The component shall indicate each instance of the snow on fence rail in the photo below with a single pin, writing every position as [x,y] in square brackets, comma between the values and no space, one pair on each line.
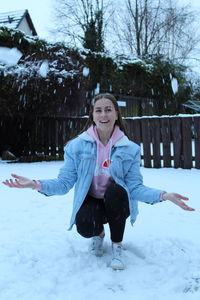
[168,141]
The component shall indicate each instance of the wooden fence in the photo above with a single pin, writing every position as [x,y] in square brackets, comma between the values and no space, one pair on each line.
[165,141]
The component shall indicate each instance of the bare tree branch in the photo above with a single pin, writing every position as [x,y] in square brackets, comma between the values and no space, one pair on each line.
[158,27]
[83,22]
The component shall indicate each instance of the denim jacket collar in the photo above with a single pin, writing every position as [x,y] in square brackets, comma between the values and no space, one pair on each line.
[124,141]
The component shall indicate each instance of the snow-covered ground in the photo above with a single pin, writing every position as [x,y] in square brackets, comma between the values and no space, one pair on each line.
[40,259]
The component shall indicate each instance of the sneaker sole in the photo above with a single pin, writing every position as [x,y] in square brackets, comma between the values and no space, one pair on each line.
[115,268]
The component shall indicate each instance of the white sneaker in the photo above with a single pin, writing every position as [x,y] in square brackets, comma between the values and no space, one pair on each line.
[117,262]
[97,245]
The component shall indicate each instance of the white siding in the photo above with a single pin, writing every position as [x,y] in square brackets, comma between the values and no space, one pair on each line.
[23,26]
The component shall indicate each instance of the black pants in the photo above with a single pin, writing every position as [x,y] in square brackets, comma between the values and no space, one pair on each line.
[113,209]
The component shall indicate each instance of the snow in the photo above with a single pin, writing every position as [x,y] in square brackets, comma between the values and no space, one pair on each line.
[41,260]
[174,84]
[86,71]
[165,116]
[9,56]
[44,68]
[97,89]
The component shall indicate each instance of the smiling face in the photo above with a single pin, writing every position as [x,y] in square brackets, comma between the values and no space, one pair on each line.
[104,115]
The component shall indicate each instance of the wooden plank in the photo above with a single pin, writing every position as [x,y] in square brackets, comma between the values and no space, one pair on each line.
[47,137]
[64,137]
[129,124]
[136,128]
[155,139]
[39,134]
[28,139]
[74,128]
[69,126]
[59,137]
[4,137]
[166,141]
[24,132]
[177,141]
[146,140]
[33,141]
[57,132]
[43,135]
[52,137]
[187,142]
[197,141]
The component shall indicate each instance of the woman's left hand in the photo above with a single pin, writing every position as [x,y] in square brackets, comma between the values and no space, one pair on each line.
[178,200]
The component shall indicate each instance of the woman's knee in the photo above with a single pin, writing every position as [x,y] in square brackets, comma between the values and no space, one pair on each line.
[84,230]
[88,227]
[115,193]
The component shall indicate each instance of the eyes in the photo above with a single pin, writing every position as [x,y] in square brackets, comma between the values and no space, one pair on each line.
[106,110]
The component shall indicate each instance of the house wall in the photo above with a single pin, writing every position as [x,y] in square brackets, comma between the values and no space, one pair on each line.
[23,26]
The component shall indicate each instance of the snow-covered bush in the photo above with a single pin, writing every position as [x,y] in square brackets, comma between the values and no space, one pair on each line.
[55,79]
[48,78]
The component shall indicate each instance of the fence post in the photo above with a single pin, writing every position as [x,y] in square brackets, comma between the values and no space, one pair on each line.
[187,142]
[155,134]
[146,140]
[134,130]
[177,141]
[197,141]
[166,141]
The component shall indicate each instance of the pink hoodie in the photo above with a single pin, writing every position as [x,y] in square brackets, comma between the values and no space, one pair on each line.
[102,177]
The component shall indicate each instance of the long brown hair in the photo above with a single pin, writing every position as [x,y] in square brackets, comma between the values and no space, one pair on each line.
[120,122]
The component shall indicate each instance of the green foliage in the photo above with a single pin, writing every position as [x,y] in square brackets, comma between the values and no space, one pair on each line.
[160,83]
[103,70]
[93,37]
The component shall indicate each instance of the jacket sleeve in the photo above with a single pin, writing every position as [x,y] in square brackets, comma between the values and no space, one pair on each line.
[134,182]
[66,179]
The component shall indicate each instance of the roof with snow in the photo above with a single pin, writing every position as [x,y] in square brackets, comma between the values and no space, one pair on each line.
[20,20]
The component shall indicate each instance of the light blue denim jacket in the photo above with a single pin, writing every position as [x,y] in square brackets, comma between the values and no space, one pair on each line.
[78,169]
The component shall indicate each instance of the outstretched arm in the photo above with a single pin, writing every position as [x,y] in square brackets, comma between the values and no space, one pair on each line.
[178,200]
[140,192]
[20,182]
[58,186]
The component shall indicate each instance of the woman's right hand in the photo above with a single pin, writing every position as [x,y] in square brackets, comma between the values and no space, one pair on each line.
[20,182]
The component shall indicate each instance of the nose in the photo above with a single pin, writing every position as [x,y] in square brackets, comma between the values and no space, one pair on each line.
[103,113]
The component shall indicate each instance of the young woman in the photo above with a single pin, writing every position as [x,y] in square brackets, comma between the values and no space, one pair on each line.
[104,166]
